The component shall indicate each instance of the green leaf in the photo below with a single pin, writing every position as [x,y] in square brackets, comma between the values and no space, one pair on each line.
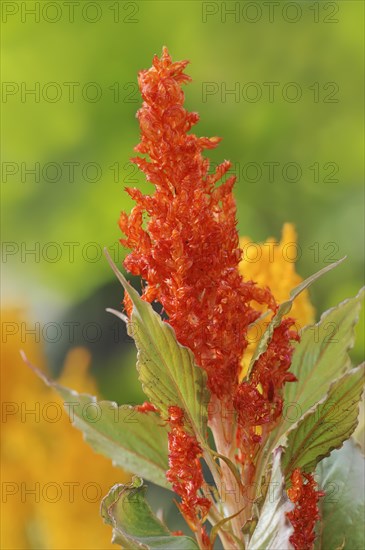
[341,476]
[273,528]
[284,309]
[319,358]
[327,426]
[134,524]
[137,442]
[166,369]
[359,433]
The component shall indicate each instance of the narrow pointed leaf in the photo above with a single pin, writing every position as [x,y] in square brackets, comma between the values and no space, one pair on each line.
[134,441]
[273,529]
[233,468]
[284,309]
[135,526]
[342,478]
[218,526]
[327,426]
[166,369]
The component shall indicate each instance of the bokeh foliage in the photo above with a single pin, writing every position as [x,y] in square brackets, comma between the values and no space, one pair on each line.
[263,131]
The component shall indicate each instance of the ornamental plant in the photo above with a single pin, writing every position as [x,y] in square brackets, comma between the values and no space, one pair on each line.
[252,437]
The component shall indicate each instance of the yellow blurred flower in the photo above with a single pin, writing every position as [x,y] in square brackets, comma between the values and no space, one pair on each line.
[52,481]
[272,264]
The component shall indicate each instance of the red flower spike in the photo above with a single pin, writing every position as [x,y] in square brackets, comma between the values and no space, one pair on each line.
[259,401]
[303,492]
[185,472]
[188,252]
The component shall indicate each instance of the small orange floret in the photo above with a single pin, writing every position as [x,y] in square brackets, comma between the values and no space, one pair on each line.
[146,407]
[296,489]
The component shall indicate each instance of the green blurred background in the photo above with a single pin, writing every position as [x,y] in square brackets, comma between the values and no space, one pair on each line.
[312,116]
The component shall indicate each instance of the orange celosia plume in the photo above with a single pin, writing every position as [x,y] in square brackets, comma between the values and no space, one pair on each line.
[189,252]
